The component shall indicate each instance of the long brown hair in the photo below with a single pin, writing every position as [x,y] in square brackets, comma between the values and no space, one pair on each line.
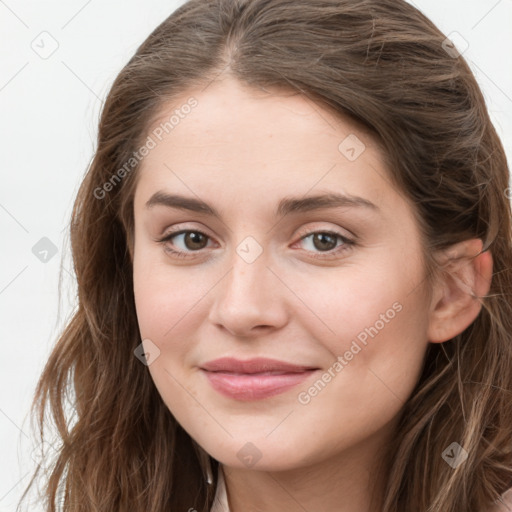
[384,64]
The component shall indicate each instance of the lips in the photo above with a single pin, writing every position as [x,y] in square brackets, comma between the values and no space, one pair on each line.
[254,379]
[256,365]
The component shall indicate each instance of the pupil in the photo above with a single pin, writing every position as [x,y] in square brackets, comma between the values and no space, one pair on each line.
[195,238]
[322,237]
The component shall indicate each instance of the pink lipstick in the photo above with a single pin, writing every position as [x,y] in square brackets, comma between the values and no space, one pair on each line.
[254,379]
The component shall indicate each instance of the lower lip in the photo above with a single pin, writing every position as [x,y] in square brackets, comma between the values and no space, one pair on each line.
[254,386]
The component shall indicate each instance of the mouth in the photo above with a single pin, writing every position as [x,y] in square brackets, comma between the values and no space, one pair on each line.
[255,365]
[255,386]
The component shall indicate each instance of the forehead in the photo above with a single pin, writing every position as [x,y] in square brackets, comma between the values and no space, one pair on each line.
[227,109]
[247,140]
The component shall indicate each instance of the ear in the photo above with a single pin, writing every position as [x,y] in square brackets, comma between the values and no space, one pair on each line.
[465,278]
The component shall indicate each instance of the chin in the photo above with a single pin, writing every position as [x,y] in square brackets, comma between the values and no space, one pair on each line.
[259,455]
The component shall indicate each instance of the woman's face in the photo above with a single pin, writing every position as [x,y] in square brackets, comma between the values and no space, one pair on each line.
[334,285]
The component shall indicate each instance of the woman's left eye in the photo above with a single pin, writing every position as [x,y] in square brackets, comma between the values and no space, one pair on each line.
[330,238]
[194,241]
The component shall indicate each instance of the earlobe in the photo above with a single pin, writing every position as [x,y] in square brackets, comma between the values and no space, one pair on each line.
[465,279]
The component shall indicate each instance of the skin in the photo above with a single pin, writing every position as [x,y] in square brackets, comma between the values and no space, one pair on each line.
[242,150]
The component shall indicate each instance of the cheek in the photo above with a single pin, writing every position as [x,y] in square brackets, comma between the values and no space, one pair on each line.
[373,322]
[167,307]
[164,296]
[376,353]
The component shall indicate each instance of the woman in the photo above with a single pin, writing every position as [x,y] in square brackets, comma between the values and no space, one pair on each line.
[262,369]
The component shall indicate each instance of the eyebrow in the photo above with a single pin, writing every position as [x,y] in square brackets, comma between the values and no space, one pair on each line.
[286,205]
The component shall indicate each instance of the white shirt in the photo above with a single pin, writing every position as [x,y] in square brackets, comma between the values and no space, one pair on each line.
[220,502]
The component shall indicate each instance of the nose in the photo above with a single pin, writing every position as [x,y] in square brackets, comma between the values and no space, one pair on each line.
[250,299]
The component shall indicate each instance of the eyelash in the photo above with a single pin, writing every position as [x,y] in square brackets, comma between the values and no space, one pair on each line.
[347,244]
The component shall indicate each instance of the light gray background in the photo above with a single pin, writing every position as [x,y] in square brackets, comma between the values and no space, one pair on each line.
[49,112]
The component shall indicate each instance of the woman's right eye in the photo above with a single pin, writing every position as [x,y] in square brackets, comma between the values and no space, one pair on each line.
[191,238]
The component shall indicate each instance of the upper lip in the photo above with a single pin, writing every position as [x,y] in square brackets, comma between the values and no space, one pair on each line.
[256,365]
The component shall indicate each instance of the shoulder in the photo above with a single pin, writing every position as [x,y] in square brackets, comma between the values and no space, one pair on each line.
[504,503]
